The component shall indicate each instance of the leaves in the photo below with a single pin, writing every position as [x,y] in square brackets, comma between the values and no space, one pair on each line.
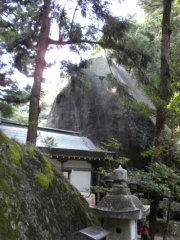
[78,80]
[143,109]
[49,142]
[159,177]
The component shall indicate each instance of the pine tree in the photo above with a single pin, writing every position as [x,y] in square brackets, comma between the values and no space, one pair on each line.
[25,34]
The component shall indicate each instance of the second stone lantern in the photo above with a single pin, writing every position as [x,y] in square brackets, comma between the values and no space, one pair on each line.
[120,210]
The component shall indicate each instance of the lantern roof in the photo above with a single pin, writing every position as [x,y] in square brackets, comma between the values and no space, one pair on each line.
[121,204]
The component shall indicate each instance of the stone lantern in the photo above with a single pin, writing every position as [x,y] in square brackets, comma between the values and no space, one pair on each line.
[133,185]
[109,181]
[120,210]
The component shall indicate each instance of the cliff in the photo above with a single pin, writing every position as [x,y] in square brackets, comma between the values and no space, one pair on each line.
[102,112]
[36,201]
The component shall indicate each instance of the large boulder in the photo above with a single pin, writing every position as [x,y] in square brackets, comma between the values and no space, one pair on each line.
[36,200]
[102,112]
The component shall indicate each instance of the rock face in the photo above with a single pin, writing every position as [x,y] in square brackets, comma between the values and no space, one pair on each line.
[98,115]
[36,201]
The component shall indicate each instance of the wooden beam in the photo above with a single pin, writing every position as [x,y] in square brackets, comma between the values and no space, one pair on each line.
[95,171]
[65,158]
[66,170]
[75,169]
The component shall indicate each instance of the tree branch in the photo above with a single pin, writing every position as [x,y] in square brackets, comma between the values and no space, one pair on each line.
[61,42]
[104,45]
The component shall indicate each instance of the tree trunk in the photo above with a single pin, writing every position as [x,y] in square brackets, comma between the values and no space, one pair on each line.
[173,160]
[163,95]
[169,212]
[154,196]
[38,74]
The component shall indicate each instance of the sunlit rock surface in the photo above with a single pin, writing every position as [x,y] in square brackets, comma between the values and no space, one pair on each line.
[36,201]
[98,115]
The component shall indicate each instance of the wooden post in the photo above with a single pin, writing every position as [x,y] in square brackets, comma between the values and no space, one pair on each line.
[69,175]
[165,207]
[98,193]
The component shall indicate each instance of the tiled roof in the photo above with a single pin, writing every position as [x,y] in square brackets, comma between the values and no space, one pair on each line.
[65,140]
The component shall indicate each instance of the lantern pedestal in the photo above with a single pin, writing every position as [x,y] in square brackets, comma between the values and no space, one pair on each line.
[121,209]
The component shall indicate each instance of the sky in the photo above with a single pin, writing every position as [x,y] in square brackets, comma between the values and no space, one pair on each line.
[52,75]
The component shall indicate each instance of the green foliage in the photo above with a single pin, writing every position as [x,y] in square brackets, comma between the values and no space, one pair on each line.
[78,80]
[21,24]
[21,37]
[99,189]
[20,29]
[166,144]
[49,142]
[113,164]
[174,63]
[111,143]
[130,44]
[143,109]
[153,20]
[11,95]
[158,177]
[6,110]
[21,112]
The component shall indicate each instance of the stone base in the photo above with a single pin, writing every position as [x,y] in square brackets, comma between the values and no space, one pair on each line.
[121,229]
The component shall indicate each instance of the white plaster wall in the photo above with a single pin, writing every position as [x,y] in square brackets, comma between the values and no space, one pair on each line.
[81,180]
[65,174]
[133,229]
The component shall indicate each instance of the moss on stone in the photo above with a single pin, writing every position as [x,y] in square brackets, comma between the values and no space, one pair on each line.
[2,157]
[17,174]
[7,173]
[67,186]
[50,177]
[60,211]
[4,185]
[30,150]
[44,180]
[8,228]
[23,206]
[4,179]
[20,172]
[13,149]
[47,164]
[14,154]
[4,138]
